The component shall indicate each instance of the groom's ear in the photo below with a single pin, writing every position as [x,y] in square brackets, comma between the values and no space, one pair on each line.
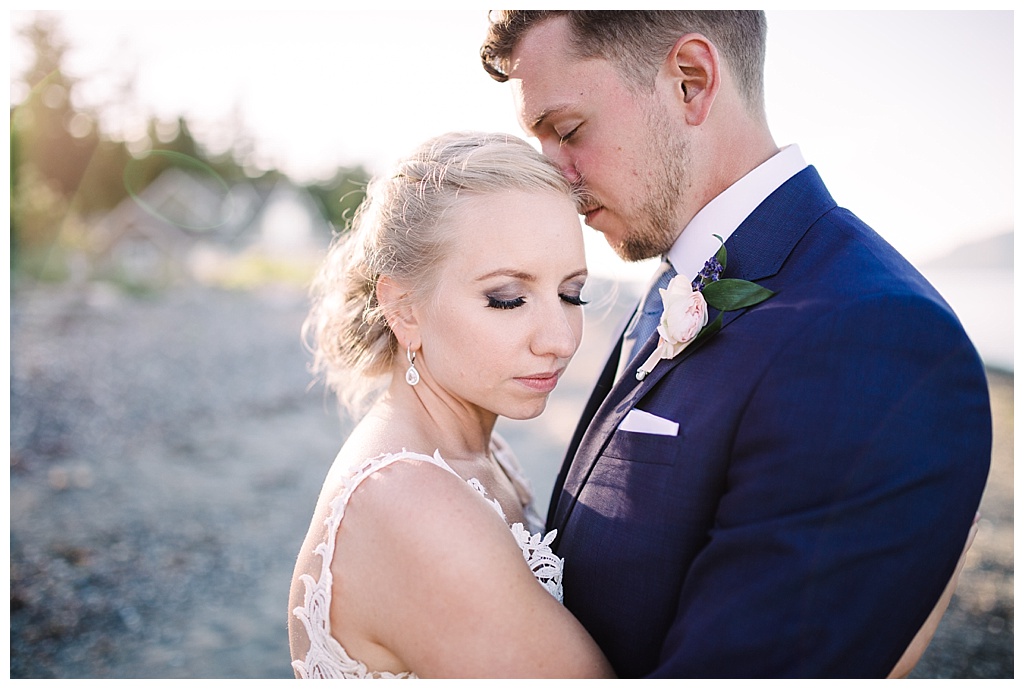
[395,302]
[694,71]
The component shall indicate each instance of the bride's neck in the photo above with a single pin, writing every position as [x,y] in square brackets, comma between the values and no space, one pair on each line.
[424,421]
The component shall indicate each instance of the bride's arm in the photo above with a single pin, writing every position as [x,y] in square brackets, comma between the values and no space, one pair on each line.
[449,593]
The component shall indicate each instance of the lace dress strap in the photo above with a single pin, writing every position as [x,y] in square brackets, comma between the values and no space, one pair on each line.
[327,658]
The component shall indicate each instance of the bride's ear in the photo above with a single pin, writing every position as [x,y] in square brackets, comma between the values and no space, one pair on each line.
[396,304]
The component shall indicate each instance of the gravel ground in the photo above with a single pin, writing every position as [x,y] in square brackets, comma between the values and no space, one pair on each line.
[166,452]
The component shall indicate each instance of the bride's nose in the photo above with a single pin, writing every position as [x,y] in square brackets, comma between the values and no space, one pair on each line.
[555,333]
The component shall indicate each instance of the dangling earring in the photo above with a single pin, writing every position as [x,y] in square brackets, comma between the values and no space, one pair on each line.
[412,376]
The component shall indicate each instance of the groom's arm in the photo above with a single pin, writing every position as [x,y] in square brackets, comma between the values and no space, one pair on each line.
[855,475]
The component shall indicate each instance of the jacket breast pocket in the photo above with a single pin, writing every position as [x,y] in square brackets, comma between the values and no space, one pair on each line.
[643,447]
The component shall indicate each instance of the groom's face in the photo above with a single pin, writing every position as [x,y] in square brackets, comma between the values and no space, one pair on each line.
[618,146]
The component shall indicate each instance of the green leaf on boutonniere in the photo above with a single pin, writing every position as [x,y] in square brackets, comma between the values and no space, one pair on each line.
[710,290]
[729,294]
[720,255]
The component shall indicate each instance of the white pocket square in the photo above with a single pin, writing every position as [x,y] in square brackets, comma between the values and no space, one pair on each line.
[639,421]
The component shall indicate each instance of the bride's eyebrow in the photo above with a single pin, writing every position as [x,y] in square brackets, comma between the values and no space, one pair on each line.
[508,272]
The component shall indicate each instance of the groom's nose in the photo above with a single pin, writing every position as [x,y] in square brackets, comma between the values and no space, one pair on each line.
[554,150]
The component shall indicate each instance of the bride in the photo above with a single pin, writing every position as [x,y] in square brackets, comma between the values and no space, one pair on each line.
[461,280]
[457,293]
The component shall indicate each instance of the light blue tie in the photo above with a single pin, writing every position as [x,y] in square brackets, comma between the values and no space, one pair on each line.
[649,315]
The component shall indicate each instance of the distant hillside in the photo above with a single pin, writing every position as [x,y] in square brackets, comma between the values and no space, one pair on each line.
[991,253]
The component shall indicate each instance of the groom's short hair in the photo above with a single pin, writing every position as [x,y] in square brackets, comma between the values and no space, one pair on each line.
[637,41]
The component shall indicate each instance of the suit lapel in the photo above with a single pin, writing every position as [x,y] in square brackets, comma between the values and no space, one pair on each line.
[624,394]
[756,251]
[601,389]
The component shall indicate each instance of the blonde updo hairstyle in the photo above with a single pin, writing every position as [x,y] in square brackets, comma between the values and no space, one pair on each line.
[402,230]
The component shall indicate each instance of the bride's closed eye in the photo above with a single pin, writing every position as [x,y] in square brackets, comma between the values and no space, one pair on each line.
[571,291]
[573,299]
[494,302]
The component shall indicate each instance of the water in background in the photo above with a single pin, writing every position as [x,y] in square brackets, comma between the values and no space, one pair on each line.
[984,303]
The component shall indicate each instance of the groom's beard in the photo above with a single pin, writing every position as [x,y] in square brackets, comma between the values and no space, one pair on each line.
[655,231]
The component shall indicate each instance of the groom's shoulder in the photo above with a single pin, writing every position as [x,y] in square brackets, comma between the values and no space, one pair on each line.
[844,254]
[844,273]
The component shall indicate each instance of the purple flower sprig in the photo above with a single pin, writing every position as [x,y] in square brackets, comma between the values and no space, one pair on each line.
[724,294]
[711,272]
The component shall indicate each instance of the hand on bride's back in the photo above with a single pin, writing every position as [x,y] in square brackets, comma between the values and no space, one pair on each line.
[912,656]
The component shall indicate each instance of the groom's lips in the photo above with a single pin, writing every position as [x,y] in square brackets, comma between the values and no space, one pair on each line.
[541,382]
[589,213]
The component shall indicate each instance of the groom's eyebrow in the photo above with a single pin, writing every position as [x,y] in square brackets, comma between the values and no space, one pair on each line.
[544,115]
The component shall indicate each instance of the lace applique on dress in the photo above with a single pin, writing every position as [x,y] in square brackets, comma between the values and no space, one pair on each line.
[326,658]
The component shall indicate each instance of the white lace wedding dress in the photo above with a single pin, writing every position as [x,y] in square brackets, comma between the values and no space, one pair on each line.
[326,658]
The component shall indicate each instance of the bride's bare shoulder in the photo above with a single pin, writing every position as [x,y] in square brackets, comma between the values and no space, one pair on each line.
[410,492]
[401,492]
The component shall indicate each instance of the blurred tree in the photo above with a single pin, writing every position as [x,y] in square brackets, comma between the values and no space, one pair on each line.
[13,180]
[66,172]
[51,143]
[341,195]
[55,138]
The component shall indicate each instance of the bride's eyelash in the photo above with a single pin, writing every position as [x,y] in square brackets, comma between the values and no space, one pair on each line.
[495,303]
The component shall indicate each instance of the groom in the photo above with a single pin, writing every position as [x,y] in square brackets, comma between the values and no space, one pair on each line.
[788,494]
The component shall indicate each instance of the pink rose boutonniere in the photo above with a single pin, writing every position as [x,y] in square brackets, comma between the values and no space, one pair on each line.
[684,316]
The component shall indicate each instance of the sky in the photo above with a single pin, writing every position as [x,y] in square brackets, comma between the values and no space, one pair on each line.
[907,115]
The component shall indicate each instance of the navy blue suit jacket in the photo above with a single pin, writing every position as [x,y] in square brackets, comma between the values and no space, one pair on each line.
[832,449]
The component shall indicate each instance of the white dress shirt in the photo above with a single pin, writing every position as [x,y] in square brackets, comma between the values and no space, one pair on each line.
[723,214]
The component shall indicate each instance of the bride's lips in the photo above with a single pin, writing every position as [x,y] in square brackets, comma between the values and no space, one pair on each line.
[541,382]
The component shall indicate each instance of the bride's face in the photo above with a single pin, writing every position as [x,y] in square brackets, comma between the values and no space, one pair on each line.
[506,316]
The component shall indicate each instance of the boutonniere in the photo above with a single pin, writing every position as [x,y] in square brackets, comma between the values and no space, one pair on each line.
[684,315]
